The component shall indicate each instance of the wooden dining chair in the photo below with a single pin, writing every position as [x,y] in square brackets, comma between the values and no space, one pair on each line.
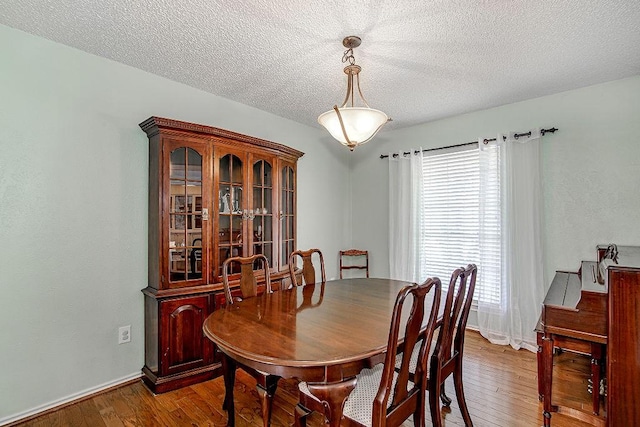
[382,396]
[266,384]
[308,271]
[361,257]
[446,358]
[449,349]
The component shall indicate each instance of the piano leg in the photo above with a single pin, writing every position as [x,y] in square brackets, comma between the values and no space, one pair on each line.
[547,363]
[596,369]
[539,359]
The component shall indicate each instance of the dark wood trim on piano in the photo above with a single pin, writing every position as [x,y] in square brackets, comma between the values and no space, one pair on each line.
[623,354]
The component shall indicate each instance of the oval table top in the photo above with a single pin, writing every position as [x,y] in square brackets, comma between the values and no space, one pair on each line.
[294,332]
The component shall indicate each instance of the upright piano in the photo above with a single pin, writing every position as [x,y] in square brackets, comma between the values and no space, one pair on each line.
[596,311]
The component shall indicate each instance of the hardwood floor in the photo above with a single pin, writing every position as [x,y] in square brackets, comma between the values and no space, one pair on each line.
[500,387]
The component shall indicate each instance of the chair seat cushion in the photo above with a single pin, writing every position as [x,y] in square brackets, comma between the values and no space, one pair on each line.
[359,404]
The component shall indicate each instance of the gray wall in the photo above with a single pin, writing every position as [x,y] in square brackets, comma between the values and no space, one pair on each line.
[73,205]
[591,170]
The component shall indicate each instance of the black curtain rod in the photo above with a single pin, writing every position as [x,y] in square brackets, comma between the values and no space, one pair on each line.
[486,141]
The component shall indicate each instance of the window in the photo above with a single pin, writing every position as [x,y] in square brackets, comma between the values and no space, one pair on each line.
[450,221]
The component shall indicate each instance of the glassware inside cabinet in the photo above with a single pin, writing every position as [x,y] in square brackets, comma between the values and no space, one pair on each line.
[262,209]
[230,205]
[286,214]
[185,215]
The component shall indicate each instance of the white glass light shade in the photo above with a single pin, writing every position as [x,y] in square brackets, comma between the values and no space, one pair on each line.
[360,123]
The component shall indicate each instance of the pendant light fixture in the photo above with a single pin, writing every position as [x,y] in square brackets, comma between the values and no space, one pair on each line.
[350,124]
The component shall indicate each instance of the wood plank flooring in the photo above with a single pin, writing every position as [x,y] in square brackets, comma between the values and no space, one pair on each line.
[500,386]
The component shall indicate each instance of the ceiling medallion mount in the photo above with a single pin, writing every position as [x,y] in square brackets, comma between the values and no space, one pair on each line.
[351,41]
[349,124]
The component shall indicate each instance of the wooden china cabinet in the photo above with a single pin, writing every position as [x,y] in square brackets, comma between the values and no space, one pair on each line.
[213,194]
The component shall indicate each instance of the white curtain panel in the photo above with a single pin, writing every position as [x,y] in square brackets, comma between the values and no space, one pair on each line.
[516,206]
[405,193]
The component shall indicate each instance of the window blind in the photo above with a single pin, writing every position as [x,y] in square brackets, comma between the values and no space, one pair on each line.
[450,220]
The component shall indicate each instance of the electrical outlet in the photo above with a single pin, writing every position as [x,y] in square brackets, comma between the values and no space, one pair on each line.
[124,334]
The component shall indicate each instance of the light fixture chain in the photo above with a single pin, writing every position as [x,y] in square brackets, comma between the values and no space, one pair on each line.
[348,56]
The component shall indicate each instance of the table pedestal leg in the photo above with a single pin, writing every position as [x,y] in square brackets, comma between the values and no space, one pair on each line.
[266,386]
[229,372]
[333,397]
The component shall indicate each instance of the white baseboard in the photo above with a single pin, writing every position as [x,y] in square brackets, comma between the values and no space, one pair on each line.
[76,396]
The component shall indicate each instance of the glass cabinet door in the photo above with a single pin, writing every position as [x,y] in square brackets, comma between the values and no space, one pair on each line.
[185,234]
[262,210]
[287,214]
[230,209]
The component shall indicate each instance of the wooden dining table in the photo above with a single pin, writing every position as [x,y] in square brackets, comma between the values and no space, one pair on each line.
[324,334]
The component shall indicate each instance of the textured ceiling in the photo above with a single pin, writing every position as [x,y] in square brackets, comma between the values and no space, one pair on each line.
[421,60]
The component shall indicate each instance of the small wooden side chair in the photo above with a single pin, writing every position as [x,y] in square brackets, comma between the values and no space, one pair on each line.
[266,383]
[308,272]
[355,253]
[383,397]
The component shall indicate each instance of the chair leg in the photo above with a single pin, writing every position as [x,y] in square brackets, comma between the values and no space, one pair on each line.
[434,403]
[266,387]
[419,414]
[462,403]
[446,400]
[300,416]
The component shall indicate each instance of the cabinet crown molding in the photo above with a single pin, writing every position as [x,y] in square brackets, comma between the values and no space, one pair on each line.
[154,124]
